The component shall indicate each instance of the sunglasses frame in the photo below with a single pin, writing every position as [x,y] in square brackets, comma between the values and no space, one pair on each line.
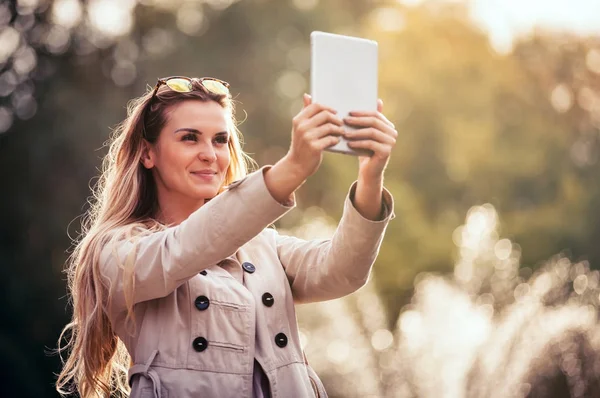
[164,81]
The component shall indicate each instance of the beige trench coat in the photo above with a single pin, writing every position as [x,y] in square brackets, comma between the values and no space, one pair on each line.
[218,290]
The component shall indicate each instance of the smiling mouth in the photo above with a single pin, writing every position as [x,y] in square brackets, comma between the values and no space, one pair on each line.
[204,175]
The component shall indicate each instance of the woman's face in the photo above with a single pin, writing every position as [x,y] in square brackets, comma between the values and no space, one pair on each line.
[189,161]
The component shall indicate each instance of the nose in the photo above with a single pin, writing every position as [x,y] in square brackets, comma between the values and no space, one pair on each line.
[207,154]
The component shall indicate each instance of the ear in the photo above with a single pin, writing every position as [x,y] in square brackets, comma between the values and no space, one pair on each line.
[147,158]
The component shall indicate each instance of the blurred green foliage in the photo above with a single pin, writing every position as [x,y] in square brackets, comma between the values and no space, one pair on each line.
[517,130]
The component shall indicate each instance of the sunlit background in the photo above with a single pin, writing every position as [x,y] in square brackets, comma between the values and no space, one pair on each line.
[487,284]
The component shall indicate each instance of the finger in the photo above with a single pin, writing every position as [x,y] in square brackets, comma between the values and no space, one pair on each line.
[379,105]
[326,142]
[370,133]
[320,119]
[371,121]
[376,114]
[307,99]
[311,110]
[324,130]
[377,148]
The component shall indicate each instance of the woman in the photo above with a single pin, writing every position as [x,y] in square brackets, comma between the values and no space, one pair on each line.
[179,287]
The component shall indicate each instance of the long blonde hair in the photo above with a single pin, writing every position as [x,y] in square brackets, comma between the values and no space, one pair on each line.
[124,203]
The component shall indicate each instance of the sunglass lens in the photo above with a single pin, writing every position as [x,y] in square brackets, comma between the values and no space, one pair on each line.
[180,85]
[215,86]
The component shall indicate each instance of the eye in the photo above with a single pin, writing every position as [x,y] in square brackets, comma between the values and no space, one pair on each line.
[189,137]
[222,139]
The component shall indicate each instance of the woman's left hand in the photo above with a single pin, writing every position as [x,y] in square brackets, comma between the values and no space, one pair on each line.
[376,134]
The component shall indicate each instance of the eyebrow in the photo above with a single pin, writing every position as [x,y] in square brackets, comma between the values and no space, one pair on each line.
[196,131]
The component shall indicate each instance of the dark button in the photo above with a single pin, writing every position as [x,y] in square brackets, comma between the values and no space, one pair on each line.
[249,267]
[200,344]
[268,299]
[202,302]
[203,272]
[281,340]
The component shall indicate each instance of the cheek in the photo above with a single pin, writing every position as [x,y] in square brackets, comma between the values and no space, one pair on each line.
[172,158]
[224,159]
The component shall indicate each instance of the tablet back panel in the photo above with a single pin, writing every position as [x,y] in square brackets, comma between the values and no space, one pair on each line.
[343,74]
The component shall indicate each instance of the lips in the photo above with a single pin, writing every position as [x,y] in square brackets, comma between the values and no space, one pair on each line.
[204,172]
[204,176]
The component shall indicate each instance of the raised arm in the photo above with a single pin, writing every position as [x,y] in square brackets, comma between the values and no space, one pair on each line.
[327,269]
[321,270]
[161,261]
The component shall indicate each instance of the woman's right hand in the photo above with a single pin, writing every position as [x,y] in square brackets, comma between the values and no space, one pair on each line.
[314,128]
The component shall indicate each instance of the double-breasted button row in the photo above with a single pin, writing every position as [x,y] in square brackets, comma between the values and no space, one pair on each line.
[200,343]
[202,303]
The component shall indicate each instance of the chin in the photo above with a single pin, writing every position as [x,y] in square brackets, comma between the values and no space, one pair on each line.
[204,190]
[206,193]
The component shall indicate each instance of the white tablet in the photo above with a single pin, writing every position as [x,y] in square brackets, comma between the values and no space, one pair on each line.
[343,75]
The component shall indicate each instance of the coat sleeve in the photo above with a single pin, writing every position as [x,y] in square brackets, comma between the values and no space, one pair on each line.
[159,262]
[321,270]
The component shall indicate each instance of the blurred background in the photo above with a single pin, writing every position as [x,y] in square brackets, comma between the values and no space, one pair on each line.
[487,281]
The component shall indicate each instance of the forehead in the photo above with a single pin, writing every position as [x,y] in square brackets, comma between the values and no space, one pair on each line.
[197,114]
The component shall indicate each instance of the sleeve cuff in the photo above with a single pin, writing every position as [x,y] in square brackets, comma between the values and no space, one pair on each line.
[387,205]
[258,178]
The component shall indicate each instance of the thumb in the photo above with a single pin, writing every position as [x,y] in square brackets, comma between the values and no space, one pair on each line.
[307,99]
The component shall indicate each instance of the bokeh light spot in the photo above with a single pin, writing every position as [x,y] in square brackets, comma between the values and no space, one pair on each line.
[191,20]
[291,84]
[588,99]
[592,60]
[561,98]
[123,73]
[382,339]
[580,284]
[410,323]
[57,40]
[27,6]
[521,291]
[338,351]
[542,284]
[25,60]
[111,17]
[503,249]
[8,83]
[305,5]
[5,14]
[388,19]
[66,13]
[158,42]
[10,38]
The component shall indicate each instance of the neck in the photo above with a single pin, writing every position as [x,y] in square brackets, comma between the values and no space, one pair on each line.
[173,211]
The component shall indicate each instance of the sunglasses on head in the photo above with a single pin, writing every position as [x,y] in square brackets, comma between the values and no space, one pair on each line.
[183,84]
